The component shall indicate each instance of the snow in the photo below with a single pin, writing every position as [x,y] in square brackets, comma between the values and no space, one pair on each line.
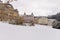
[37,32]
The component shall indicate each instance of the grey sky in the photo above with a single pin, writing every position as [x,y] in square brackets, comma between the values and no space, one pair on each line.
[38,7]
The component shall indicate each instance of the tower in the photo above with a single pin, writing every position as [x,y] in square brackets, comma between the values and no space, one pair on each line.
[0,1]
[32,14]
[24,13]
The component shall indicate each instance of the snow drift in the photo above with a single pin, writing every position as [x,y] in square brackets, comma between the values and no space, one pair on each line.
[37,32]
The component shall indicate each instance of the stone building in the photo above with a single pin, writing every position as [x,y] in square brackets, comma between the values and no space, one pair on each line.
[8,13]
[50,21]
[28,19]
[36,19]
[43,20]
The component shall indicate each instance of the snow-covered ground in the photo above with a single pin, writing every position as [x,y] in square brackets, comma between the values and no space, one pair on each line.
[37,32]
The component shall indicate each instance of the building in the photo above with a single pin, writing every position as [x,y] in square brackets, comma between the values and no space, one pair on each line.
[50,21]
[36,19]
[28,18]
[43,20]
[8,13]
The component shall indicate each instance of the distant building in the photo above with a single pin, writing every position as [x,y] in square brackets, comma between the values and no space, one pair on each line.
[43,20]
[36,18]
[28,18]
[8,13]
[0,1]
[50,21]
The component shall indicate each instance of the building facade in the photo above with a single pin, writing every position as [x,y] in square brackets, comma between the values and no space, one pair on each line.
[43,20]
[28,18]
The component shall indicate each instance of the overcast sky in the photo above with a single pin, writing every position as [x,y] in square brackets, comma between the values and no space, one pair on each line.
[38,7]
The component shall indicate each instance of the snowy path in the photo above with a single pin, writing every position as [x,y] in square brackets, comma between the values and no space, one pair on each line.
[38,32]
